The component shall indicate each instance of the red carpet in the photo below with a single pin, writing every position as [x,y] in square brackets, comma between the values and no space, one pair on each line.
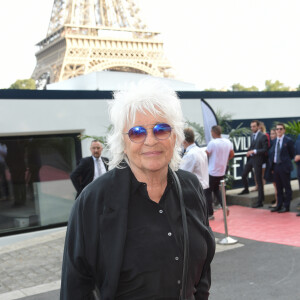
[259,225]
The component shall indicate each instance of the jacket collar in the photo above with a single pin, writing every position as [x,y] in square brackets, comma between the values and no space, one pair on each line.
[119,189]
[113,226]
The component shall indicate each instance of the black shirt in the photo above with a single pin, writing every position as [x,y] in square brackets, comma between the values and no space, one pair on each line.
[153,254]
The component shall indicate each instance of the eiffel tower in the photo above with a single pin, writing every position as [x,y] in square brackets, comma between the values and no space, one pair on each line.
[93,35]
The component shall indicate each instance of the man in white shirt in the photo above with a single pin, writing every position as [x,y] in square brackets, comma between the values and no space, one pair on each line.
[89,168]
[195,161]
[219,151]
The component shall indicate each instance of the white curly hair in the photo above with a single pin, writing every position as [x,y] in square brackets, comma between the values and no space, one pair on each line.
[147,96]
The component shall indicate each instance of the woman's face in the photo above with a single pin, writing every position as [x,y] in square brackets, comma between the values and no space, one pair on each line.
[152,155]
[273,134]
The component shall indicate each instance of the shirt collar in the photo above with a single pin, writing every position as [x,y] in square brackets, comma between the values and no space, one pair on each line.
[190,147]
[136,185]
[256,133]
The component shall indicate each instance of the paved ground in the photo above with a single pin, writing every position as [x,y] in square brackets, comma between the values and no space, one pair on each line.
[30,265]
[257,271]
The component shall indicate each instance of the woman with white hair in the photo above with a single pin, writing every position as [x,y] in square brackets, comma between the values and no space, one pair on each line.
[141,230]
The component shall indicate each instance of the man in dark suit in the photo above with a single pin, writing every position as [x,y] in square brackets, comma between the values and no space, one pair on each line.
[281,155]
[297,161]
[89,168]
[255,159]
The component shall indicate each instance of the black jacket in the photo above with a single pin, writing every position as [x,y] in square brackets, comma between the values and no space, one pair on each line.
[96,236]
[261,145]
[287,154]
[84,173]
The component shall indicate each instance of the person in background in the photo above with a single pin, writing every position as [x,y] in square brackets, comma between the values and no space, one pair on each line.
[4,190]
[281,155]
[195,161]
[15,161]
[262,128]
[273,136]
[89,168]
[297,161]
[269,172]
[255,158]
[33,164]
[219,151]
[130,232]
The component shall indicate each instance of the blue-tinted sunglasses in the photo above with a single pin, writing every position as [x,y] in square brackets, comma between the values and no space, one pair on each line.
[138,134]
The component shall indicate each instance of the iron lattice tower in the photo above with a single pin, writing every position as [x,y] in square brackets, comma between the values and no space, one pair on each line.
[94,35]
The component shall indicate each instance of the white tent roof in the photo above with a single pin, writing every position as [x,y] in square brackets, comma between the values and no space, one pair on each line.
[108,80]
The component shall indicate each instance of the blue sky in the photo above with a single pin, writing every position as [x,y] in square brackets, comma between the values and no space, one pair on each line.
[212,44]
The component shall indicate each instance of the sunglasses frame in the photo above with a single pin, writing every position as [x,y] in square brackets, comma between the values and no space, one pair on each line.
[128,133]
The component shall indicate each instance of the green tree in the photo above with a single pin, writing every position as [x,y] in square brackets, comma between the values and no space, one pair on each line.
[199,132]
[293,128]
[211,90]
[236,87]
[102,139]
[275,86]
[24,84]
[224,120]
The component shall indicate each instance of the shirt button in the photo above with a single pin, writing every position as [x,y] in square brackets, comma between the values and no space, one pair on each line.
[178,281]
[176,258]
[160,211]
[169,233]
